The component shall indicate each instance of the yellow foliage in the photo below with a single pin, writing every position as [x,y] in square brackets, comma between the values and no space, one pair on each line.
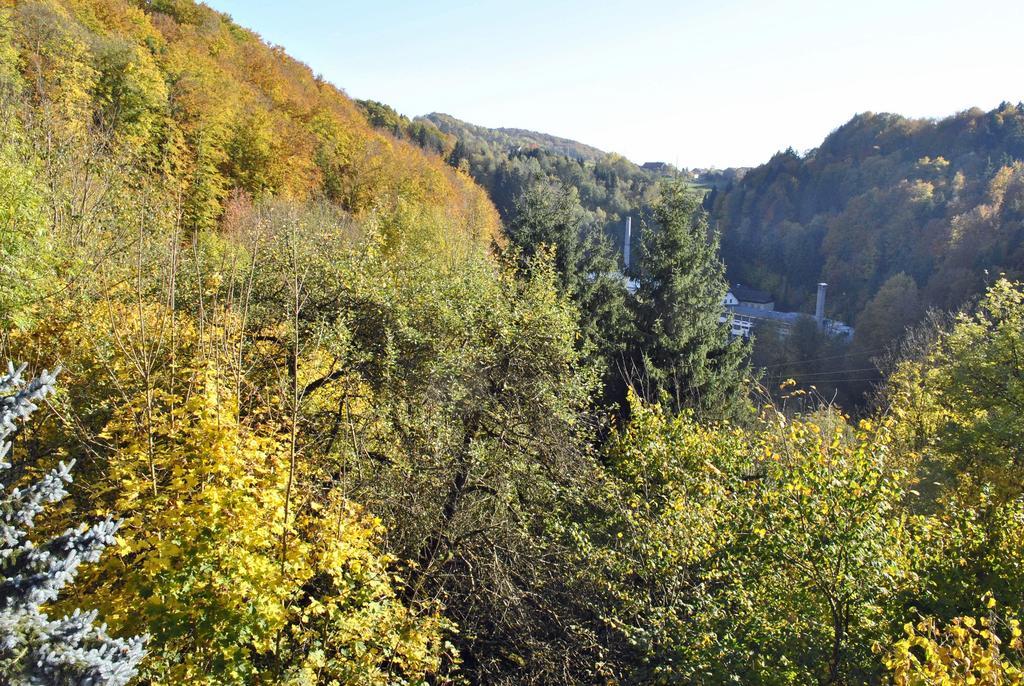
[206,562]
[178,89]
[964,651]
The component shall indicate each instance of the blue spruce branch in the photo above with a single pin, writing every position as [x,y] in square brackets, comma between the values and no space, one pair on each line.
[34,649]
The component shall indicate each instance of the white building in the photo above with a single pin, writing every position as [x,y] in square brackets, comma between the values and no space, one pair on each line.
[749,297]
[746,308]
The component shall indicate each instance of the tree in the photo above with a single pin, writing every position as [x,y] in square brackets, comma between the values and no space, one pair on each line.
[477,440]
[200,563]
[548,217]
[887,315]
[957,408]
[652,538]
[36,649]
[962,400]
[684,353]
[829,550]
[762,555]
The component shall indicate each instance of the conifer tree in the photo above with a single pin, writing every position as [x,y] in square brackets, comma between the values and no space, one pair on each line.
[683,350]
[551,217]
[34,649]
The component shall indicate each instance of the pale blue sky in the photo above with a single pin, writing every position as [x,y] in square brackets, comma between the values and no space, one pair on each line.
[726,82]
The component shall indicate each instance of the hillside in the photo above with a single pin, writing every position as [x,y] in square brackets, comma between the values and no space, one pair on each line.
[509,161]
[197,101]
[931,208]
[290,403]
[514,139]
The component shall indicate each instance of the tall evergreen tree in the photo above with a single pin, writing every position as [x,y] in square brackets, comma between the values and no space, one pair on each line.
[682,350]
[586,267]
[544,214]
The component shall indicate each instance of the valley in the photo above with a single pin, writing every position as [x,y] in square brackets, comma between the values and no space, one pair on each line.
[305,391]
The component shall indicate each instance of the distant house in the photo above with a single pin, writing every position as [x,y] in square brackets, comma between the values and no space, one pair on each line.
[750,297]
[746,308]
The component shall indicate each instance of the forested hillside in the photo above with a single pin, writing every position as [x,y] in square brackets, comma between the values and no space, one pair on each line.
[293,408]
[508,161]
[925,212]
[326,434]
[513,139]
[175,93]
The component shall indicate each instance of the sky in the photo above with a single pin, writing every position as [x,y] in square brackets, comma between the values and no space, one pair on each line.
[716,83]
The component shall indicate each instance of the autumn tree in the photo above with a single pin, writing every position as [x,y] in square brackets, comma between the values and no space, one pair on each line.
[964,396]
[765,555]
[957,405]
[201,493]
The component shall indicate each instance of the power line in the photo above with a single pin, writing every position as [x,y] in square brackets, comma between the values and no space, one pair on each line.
[821,381]
[818,359]
[833,372]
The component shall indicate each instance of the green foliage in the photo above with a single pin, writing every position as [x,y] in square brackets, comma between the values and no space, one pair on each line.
[236,577]
[130,93]
[23,250]
[551,218]
[509,139]
[684,354]
[478,404]
[971,542]
[767,555]
[653,549]
[309,364]
[507,162]
[420,131]
[957,407]
[965,395]
[829,551]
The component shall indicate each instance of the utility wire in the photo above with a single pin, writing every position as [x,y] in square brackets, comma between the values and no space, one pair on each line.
[833,372]
[818,359]
[821,381]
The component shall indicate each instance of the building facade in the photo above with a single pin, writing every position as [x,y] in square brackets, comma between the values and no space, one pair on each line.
[747,308]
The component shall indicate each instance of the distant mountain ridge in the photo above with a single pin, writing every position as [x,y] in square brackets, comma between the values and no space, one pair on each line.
[517,138]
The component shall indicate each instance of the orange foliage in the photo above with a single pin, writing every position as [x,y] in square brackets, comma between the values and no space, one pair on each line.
[241,114]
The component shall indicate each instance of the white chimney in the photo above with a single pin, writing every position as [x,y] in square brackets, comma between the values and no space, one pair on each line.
[819,306]
[625,243]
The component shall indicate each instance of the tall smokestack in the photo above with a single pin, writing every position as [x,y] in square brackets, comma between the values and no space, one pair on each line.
[625,242]
[819,306]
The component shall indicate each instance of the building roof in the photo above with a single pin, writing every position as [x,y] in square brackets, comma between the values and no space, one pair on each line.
[750,295]
[758,313]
